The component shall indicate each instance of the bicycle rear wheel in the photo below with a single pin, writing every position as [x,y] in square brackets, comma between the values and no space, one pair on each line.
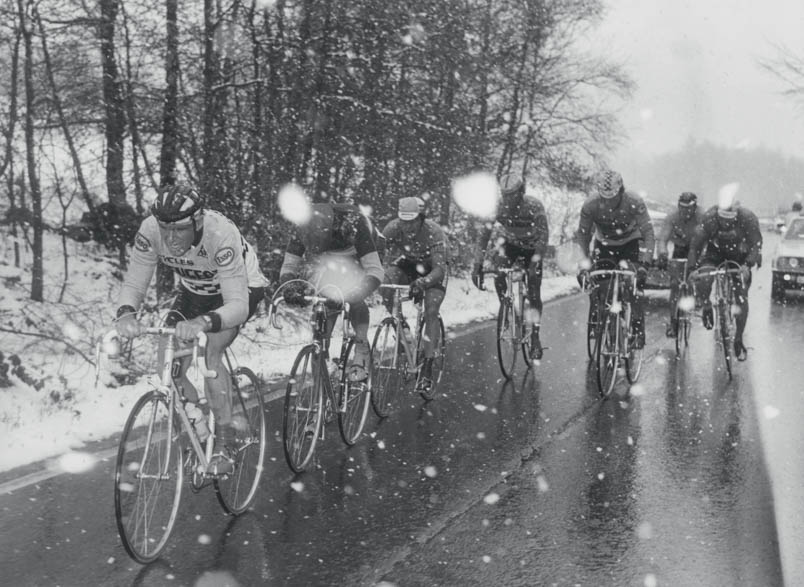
[148,478]
[353,400]
[388,363]
[237,491]
[506,341]
[439,361]
[608,356]
[304,409]
[724,319]
[524,328]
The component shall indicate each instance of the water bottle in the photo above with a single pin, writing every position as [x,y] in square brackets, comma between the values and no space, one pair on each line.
[198,419]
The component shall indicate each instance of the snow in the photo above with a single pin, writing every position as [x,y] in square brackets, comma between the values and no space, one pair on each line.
[55,406]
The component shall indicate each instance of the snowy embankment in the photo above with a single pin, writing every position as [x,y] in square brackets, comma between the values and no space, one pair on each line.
[50,401]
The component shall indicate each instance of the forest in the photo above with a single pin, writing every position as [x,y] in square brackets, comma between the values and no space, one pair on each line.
[106,102]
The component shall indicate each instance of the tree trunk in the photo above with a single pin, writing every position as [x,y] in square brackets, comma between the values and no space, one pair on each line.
[170,126]
[37,270]
[115,123]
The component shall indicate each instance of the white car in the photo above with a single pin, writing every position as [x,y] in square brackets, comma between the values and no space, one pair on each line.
[787,265]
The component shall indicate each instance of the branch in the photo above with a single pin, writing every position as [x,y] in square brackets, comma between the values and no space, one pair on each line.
[49,337]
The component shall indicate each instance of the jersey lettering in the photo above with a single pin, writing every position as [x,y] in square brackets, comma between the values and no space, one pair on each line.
[224,256]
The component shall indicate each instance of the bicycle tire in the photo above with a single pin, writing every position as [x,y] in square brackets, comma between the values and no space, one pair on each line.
[388,362]
[592,326]
[608,356]
[353,400]
[681,330]
[304,409]
[149,459]
[633,360]
[237,491]
[526,332]
[725,332]
[439,360]
[506,344]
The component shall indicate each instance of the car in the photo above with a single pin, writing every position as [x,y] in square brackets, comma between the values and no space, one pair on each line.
[787,264]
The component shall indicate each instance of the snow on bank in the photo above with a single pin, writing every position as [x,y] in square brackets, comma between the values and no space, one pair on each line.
[37,424]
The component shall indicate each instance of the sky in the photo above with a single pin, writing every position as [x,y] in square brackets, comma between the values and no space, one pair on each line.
[695,65]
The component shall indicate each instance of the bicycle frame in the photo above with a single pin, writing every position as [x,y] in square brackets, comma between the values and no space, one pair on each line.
[400,322]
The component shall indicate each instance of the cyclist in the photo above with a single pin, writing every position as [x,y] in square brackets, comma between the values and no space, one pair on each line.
[417,249]
[220,286]
[524,230]
[618,221]
[678,228]
[729,232]
[344,264]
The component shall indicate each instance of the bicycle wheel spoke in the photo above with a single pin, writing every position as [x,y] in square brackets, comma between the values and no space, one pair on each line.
[148,478]
[303,411]
[248,418]
[506,343]
[388,364]
[353,401]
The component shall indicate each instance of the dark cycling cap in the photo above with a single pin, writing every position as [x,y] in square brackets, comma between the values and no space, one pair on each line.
[511,184]
[687,199]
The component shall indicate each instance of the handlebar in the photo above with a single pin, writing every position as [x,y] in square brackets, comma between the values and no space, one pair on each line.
[110,345]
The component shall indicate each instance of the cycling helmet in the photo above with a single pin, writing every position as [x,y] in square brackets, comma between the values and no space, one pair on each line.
[727,212]
[410,208]
[511,185]
[176,203]
[687,200]
[609,184]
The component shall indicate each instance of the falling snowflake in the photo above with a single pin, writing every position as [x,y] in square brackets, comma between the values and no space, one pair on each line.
[770,412]
[297,486]
[476,194]
[430,471]
[480,407]
[491,498]
[645,531]
[204,539]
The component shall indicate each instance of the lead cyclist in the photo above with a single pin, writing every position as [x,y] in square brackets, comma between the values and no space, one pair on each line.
[220,286]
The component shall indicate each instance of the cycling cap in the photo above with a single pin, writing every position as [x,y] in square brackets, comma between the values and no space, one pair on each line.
[176,203]
[609,184]
[729,213]
[511,184]
[410,208]
[687,199]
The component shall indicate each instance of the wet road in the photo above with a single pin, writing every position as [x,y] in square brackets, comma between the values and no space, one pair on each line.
[531,483]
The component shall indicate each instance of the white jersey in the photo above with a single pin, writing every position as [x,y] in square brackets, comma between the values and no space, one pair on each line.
[221,263]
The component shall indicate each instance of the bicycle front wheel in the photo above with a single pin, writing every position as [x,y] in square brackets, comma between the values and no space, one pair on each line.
[388,363]
[148,478]
[439,361]
[608,356]
[304,409]
[724,319]
[506,339]
[592,327]
[633,360]
[237,491]
[353,400]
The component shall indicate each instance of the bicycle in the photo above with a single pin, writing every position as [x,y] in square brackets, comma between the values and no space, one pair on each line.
[614,339]
[684,307]
[398,358]
[160,444]
[310,397]
[515,333]
[724,275]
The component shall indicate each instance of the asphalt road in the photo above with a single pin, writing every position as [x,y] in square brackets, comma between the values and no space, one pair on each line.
[531,482]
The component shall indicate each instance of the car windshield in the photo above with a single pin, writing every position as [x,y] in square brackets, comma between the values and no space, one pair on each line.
[795,231]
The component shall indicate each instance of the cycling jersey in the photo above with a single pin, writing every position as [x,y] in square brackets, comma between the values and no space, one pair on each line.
[524,226]
[679,231]
[613,227]
[428,247]
[737,240]
[348,237]
[220,263]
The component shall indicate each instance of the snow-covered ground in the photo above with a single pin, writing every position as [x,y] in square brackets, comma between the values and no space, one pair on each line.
[54,405]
